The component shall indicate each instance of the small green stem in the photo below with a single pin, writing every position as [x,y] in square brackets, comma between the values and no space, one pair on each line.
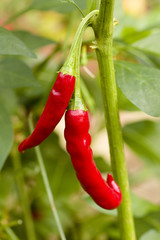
[47,185]
[72,63]
[24,198]
[78,8]
[103,28]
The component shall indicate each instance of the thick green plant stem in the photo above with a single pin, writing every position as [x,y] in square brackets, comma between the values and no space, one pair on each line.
[30,230]
[103,28]
[47,185]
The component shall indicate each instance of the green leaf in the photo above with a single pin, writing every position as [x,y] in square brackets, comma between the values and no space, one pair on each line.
[11,45]
[142,207]
[6,136]
[151,235]
[10,102]
[32,41]
[15,74]
[141,85]
[124,103]
[149,44]
[131,35]
[57,5]
[143,138]
[11,235]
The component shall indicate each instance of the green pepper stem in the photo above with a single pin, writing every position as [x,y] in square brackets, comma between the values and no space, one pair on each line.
[69,66]
[72,64]
[103,28]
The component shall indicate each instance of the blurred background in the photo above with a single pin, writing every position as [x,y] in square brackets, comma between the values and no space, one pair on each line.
[47,30]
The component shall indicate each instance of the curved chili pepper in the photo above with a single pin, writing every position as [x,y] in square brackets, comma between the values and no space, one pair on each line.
[54,109]
[106,194]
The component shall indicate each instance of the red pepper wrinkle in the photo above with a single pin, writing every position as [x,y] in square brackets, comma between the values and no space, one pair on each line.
[106,194]
[55,107]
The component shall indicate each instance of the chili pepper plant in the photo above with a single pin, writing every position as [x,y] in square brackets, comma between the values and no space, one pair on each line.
[72,71]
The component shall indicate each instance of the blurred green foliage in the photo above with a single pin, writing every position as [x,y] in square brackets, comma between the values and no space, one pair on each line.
[26,77]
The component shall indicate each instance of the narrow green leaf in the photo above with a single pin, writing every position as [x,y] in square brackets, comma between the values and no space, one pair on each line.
[32,41]
[131,35]
[6,136]
[15,74]
[141,85]
[151,235]
[11,45]
[11,235]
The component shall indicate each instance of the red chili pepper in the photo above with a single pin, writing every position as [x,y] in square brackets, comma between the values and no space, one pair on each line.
[55,107]
[106,194]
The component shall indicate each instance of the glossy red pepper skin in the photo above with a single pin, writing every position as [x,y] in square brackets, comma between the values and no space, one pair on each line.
[55,107]
[106,194]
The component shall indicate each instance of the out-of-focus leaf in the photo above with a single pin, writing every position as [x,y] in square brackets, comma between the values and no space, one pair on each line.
[102,165]
[10,102]
[11,235]
[32,41]
[141,226]
[15,74]
[140,176]
[139,55]
[131,35]
[6,136]
[149,44]
[57,5]
[142,207]
[151,235]
[94,89]
[11,45]
[141,85]
[155,60]
[97,225]
[143,138]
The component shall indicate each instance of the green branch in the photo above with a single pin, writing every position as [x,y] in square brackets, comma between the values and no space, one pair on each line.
[103,28]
